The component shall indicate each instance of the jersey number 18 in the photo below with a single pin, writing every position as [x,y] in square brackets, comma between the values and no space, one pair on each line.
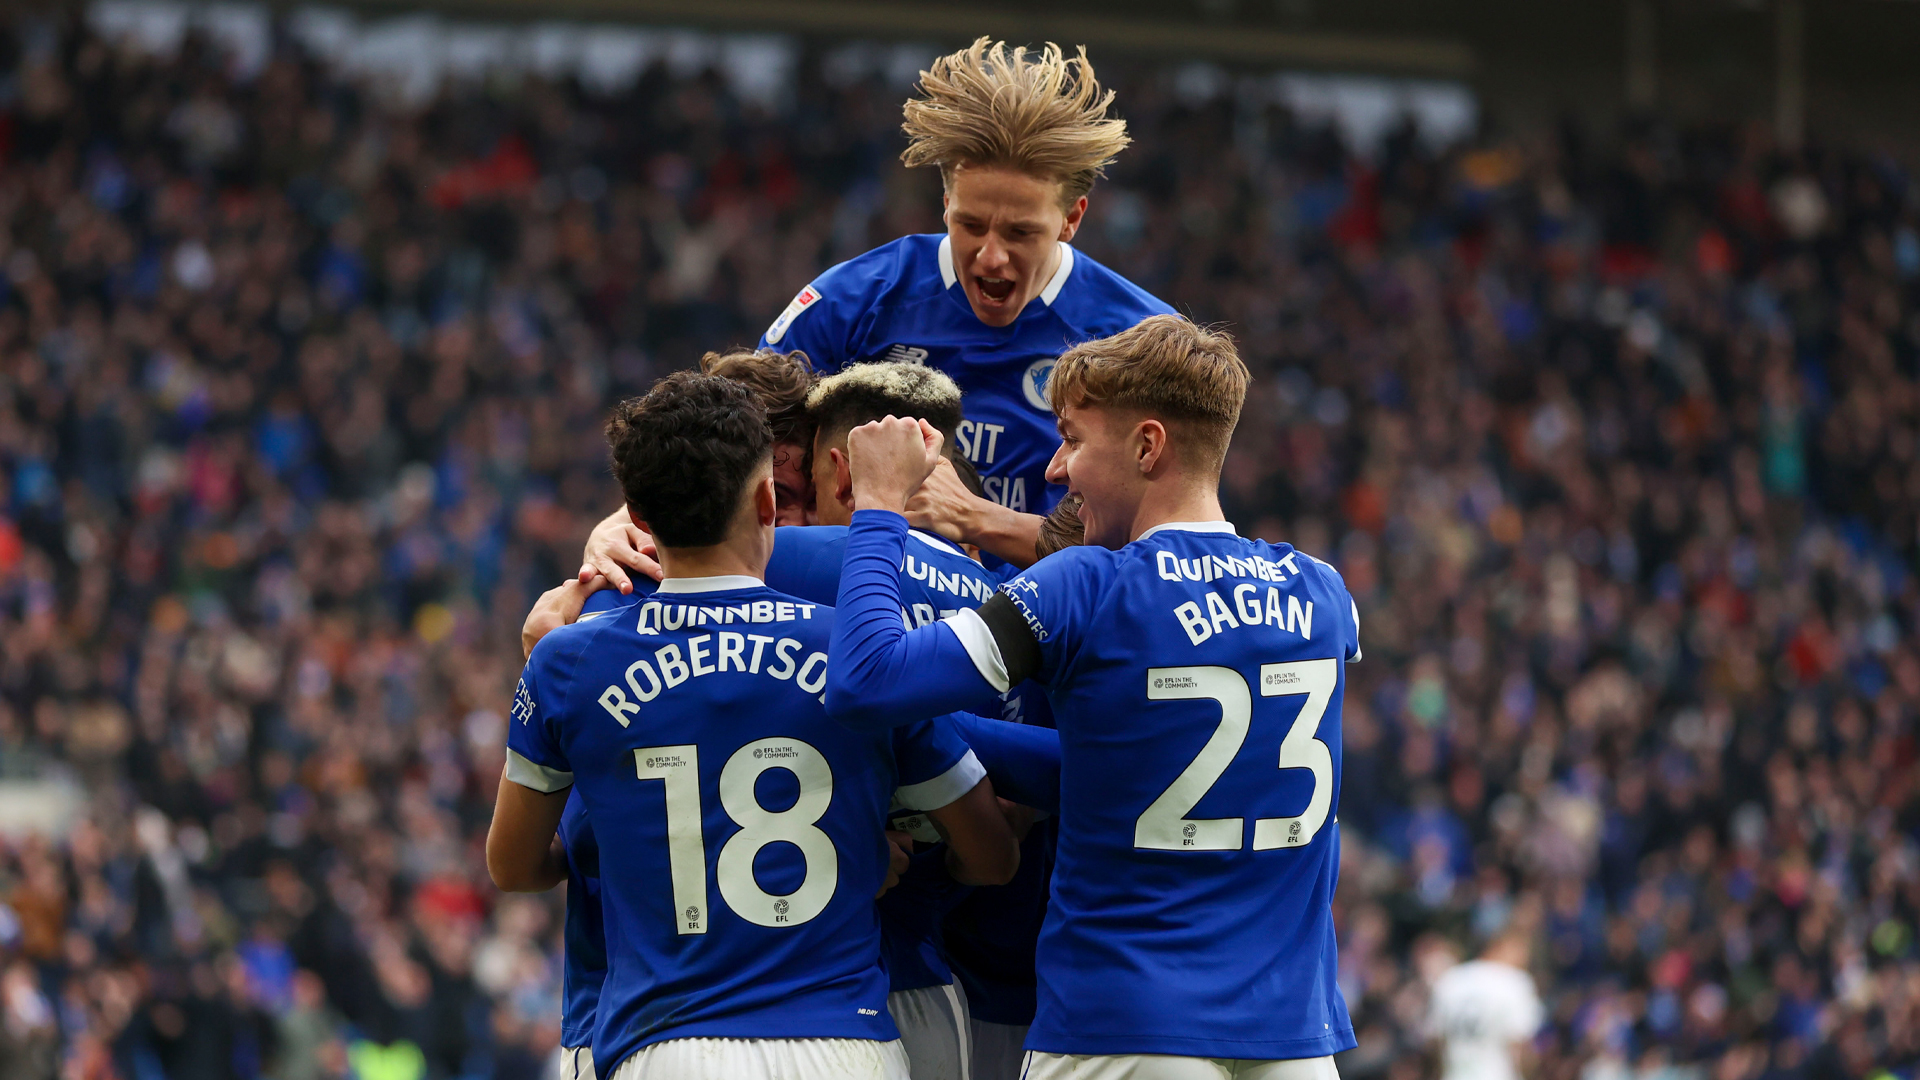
[679,768]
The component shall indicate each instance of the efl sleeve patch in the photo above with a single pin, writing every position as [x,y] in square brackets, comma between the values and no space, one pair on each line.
[801,302]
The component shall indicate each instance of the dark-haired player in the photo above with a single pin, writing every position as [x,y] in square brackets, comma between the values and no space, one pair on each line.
[738,888]
[780,380]
[989,935]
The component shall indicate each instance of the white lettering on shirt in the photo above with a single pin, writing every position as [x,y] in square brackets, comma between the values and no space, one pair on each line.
[668,668]
[656,616]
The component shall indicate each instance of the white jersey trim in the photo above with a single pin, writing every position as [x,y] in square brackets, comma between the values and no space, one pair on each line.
[938,543]
[942,790]
[532,774]
[716,583]
[1355,658]
[977,639]
[1060,275]
[948,275]
[1189,526]
[802,300]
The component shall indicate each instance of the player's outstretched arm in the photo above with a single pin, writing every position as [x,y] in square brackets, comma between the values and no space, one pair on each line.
[981,847]
[1023,761]
[884,675]
[523,845]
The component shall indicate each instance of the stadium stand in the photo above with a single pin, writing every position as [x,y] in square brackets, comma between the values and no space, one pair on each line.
[1615,446]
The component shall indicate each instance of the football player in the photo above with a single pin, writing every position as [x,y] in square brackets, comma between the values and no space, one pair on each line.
[742,938]
[1196,679]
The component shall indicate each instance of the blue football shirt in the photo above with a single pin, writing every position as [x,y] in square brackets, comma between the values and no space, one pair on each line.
[937,580]
[584,956]
[904,301]
[1196,680]
[583,959]
[737,893]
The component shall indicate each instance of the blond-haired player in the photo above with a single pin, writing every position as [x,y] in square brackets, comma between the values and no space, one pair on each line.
[1019,138]
[1196,679]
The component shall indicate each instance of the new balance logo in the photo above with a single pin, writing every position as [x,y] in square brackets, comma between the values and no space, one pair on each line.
[906,354]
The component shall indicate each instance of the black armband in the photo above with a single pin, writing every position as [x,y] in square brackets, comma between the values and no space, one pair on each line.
[1008,625]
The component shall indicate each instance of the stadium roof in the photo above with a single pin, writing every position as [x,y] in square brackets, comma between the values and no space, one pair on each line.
[1529,61]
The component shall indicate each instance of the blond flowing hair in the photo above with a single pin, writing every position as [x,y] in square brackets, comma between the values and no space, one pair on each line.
[991,105]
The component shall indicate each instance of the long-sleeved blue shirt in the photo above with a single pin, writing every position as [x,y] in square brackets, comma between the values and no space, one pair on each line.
[1196,680]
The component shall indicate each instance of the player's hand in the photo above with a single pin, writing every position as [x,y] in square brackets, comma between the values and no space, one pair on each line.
[557,607]
[615,546]
[889,459]
[945,506]
[899,852]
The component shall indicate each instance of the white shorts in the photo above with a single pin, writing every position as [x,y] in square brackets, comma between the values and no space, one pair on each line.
[767,1059]
[933,1027]
[998,1050]
[576,1063]
[1168,1067]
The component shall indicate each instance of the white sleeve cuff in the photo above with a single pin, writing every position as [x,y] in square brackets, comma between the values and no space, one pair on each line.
[943,789]
[532,774]
[977,639]
[1355,608]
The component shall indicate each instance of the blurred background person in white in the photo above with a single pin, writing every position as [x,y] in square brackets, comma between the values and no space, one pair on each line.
[1483,1013]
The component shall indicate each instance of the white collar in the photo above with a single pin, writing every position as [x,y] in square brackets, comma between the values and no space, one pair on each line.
[717,583]
[1189,526]
[940,543]
[1060,275]
[948,275]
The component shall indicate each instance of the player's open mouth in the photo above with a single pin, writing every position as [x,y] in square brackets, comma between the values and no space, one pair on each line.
[994,289]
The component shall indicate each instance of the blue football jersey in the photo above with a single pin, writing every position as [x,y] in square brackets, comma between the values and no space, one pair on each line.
[737,892]
[904,301]
[599,603]
[991,935]
[584,958]
[1196,680]
[937,579]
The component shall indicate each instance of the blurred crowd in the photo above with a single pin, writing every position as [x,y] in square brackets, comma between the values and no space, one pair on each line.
[1613,438]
